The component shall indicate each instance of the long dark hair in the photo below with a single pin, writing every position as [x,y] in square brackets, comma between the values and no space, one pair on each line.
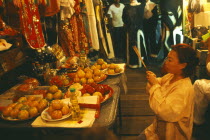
[186,54]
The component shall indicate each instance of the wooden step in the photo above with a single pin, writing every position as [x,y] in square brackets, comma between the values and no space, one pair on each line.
[135,105]
[135,125]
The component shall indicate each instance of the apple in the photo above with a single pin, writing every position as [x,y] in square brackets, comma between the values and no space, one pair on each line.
[90,90]
[100,89]
[106,89]
[83,91]
[94,85]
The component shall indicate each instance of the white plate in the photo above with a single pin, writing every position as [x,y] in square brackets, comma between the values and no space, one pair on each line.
[45,115]
[12,119]
[115,73]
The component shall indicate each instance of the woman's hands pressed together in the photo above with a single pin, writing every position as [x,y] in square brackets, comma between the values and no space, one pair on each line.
[151,77]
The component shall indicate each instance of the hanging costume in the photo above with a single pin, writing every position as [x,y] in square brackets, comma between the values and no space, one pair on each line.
[171,19]
[150,27]
[71,30]
[31,24]
[106,48]
[92,24]
[133,20]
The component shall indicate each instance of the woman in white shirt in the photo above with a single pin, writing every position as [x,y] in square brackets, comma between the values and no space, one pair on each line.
[172,96]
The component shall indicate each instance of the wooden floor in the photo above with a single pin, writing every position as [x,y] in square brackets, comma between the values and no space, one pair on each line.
[135,111]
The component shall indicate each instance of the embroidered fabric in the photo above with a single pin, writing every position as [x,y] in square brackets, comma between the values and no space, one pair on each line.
[52,8]
[31,24]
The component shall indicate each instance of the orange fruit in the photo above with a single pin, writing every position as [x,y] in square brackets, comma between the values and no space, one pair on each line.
[33,111]
[56,114]
[65,110]
[57,104]
[58,95]
[53,89]
[23,115]
[14,113]
[6,111]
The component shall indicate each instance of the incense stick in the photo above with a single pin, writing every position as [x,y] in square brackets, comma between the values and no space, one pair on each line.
[139,56]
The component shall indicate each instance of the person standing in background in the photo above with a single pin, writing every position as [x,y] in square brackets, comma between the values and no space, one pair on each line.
[150,27]
[117,30]
[133,15]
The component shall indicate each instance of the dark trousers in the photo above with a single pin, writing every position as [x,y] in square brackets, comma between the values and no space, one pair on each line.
[119,42]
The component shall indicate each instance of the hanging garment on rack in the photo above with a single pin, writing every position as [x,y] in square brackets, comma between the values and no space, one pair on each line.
[150,27]
[133,20]
[31,24]
[171,18]
[51,29]
[92,24]
[104,36]
[195,6]
[66,9]
[86,23]
[53,8]
[72,33]
[1,2]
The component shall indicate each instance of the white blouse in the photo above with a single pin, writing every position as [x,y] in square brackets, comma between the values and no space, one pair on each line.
[173,106]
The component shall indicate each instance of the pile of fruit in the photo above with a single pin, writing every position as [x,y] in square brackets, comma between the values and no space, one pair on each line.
[96,90]
[89,75]
[53,93]
[114,69]
[58,109]
[101,64]
[60,80]
[25,108]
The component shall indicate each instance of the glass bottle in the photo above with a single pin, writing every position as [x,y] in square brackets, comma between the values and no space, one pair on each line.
[75,106]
